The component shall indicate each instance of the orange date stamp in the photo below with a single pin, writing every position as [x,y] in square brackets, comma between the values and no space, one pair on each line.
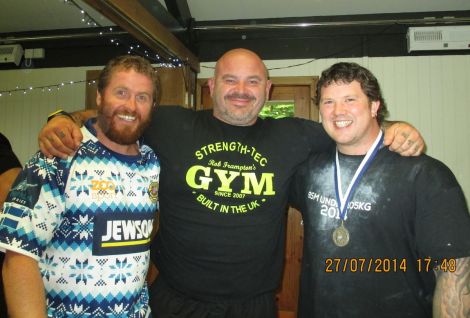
[388,265]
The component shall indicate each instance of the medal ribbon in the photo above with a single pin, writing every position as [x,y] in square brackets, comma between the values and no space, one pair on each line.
[365,163]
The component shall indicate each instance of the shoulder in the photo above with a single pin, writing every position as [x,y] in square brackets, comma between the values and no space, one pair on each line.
[421,168]
[168,117]
[295,122]
[436,170]
[320,159]
[306,133]
[300,128]
[173,111]
[149,155]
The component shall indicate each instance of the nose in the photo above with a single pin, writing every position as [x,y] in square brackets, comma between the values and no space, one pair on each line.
[339,108]
[131,103]
[241,87]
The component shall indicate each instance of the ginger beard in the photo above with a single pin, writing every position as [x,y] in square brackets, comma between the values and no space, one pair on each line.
[122,126]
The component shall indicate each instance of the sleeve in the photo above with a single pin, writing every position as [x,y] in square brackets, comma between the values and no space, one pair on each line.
[315,136]
[442,218]
[297,187]
[161,125]
[34,207]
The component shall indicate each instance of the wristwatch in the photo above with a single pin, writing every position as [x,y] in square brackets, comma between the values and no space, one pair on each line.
[59,112]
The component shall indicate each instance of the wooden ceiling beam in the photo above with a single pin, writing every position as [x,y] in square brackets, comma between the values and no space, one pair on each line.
[179,9]
[134,18]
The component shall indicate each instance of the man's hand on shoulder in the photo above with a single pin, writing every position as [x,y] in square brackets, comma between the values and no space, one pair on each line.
[60,137]
[403,138]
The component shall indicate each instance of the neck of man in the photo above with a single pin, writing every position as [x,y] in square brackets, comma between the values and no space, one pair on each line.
[128,150]
[233,122]
[363,144]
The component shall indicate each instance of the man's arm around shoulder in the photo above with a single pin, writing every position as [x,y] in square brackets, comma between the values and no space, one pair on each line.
[61,136]
[452,293]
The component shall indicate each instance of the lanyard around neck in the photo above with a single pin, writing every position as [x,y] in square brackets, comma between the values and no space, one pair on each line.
[341,199]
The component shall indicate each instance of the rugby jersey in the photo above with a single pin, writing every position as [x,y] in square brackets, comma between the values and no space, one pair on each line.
[87,220]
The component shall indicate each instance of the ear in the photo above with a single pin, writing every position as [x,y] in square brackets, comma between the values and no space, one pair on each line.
[211,83]
[98,99]
[374,108]
[269,83]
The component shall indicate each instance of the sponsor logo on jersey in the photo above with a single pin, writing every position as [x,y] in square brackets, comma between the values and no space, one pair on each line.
[103,189]
[122,233]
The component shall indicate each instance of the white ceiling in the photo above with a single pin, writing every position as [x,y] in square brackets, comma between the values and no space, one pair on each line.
[33,15]
[205,10]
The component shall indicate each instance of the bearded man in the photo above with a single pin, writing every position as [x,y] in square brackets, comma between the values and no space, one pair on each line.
[77,230]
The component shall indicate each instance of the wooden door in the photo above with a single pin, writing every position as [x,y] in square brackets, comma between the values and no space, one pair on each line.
[300,91]
[177,87]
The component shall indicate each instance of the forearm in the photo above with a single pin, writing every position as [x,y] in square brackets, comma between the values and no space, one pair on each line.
[24,289]
[388,123]
[452,292]
[80,117]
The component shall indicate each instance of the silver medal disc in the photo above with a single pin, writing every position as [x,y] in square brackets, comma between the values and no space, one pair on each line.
[341,236]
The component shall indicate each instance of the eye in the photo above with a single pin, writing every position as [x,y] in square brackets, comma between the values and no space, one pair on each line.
[121,93]
[229,81]
[253,82]
[143,98]
[326,102]
[350,100]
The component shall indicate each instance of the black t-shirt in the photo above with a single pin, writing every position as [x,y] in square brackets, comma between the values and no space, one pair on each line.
[8,160]
[223,193]
[404,211]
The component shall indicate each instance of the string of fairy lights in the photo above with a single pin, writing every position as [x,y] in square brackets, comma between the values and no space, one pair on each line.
[135,49]
[43,89]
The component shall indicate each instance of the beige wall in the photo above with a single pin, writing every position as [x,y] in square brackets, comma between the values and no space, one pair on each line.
[23,115]
[432,92]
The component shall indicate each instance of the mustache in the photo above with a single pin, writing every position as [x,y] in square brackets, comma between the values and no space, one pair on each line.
[240,96]
[120,111]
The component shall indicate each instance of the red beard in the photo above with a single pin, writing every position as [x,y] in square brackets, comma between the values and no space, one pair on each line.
[121,134]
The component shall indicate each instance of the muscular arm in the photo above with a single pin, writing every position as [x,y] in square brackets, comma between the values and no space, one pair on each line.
[452,293]
[24,289]
[61,136]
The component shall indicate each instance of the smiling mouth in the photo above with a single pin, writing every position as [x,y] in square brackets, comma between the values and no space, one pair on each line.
[243,98]
[128,118]
[343,123]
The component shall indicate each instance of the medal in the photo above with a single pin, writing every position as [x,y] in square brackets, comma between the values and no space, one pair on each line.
[341,236]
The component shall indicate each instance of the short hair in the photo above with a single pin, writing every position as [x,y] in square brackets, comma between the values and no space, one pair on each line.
[344,72]
[128,62]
